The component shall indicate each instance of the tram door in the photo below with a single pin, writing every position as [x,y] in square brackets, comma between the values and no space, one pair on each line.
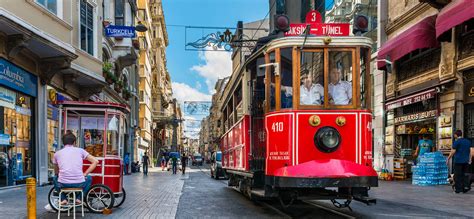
[258,141]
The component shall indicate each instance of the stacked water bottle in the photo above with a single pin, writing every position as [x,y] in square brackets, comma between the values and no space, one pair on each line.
[431,169]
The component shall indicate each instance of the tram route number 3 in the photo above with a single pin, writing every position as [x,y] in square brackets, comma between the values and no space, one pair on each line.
[277,127]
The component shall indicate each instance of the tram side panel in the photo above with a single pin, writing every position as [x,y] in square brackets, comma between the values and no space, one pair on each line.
[366,138]
[235,146]
[279,147]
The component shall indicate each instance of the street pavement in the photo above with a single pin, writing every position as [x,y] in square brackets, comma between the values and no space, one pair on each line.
[196,195]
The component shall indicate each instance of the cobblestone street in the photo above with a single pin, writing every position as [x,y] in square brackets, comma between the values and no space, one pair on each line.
[196,195]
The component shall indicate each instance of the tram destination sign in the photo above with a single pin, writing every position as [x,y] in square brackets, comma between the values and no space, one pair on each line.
[317,27]
[416,116]
[411,99]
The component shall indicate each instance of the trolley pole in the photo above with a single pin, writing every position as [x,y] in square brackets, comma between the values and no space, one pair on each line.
[31,197]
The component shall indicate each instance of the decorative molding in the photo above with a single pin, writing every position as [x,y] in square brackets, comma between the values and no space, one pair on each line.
[15,44]
[51,66]
[426,76]
[466,63]
[406,17]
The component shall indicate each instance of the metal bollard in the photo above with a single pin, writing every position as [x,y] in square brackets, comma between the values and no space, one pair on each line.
[31,197]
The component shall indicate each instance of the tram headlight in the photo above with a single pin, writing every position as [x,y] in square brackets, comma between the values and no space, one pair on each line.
[327,139]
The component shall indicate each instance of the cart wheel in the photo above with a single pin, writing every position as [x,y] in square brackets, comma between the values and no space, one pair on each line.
[53,198]
[99,197]
[120,198]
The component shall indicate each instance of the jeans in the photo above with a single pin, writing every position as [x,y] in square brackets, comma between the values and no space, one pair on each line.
[145,169]
[125,170]
[184,169]
[84,185]
[175,167]
[461,181]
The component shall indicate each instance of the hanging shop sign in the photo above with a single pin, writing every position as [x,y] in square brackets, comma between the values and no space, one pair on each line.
[411,99]
[120,31]
[416,116]
[317,27]
[16,78]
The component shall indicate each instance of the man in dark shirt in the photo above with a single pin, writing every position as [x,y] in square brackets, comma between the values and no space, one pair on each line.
[462,157]
[145,162]
[184,161]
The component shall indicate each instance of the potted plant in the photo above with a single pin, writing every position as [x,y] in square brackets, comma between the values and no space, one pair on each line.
[108,73]
[118,86]
[126,94]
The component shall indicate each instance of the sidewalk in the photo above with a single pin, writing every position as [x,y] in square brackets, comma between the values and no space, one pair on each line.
[153,196]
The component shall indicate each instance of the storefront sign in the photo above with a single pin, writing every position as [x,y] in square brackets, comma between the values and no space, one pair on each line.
[416,116]
[16,78]
[411,99]
[23,111]
[53,112]
[469,92]
[120,31]
[4,139]
[7,98]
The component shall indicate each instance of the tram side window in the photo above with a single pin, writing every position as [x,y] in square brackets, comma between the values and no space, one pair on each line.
[272,83]
[312,78]
[340,78]
[286,78]
[363,76]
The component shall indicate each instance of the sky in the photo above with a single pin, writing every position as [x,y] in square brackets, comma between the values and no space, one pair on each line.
[193,74]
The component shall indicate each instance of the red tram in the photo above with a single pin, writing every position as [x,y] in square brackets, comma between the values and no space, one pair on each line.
[297,121]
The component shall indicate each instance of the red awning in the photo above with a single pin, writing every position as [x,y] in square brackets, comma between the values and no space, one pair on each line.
[419,36]
[453,14]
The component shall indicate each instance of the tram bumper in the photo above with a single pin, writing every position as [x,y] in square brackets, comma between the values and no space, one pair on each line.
[322,174]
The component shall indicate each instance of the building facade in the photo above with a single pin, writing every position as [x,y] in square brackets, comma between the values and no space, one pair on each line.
[45,57]
[428,80]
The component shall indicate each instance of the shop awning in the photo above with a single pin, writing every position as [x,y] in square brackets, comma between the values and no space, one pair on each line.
[419,36]
[454,14]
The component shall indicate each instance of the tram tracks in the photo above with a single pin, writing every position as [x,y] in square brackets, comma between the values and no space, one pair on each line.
[300,209]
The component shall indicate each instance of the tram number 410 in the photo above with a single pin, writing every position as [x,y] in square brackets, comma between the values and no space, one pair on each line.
[277,127]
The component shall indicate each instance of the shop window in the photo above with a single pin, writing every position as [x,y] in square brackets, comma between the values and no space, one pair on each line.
[340,78]
[286,78]
[312,78]
[119,12]
[87,27]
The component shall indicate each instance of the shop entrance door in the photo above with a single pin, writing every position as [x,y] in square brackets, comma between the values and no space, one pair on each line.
[469,121]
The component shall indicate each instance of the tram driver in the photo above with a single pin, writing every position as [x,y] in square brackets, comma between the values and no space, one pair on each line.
[310,93]
[340,91]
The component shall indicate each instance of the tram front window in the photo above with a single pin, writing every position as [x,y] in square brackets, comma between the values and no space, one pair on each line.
[340,78]
[312,78]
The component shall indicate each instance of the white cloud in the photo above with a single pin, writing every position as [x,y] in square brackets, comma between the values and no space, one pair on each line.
[183,92]
[217,65]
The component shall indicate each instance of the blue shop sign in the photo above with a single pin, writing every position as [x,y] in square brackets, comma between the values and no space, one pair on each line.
[4,139]
[18,79]
[120,31]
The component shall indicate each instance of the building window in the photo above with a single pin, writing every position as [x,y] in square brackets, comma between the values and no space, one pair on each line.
[50,5]
[119,12]
[87,27]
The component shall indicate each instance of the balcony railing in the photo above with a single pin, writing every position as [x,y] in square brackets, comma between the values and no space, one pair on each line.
[422,62]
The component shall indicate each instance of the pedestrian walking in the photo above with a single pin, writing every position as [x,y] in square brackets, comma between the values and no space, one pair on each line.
[126,161]
[174,162]
[145,162]
[461,152]
[163,163]
[184,161]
